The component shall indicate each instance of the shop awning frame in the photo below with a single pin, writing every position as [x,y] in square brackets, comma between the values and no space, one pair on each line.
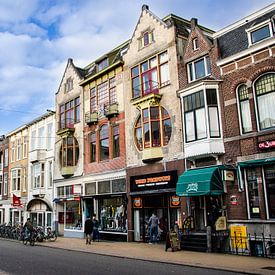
[201,182]
[256,162]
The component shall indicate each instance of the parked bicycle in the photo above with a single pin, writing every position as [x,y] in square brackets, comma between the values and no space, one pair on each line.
[50,235]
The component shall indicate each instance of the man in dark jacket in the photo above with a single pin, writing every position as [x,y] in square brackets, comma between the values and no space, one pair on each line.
[95,229]
[88,230]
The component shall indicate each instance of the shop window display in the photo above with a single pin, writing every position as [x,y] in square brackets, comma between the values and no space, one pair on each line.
[113,214]
[73,210]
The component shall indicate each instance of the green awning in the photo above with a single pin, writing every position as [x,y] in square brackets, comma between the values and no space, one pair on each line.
[200,182]
[256,162]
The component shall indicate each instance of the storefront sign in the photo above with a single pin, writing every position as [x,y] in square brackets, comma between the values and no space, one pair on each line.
[16,201]
[228,175]
[238,236]
[154,181]
[267,144]
[137,202]
[174,201]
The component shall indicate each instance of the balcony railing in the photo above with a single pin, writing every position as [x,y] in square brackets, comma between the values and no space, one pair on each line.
[111,110]
[146,88]
[66,125]
[91,118]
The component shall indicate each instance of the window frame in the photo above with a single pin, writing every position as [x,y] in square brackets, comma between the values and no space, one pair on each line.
[38,174]
[143,120]
[195,44]
[104,136]
[256,101]
[258,27]
[191,70]
[93,146]
[69,110]
[203,88]
[16,179]
[141,72]
[116,141]
[65,146]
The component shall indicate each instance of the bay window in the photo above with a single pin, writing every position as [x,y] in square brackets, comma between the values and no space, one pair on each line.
[69,152]
[201,115]
[152,128]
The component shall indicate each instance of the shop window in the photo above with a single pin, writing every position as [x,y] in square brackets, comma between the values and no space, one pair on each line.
[73,215]
[149,75]
[199,68]
[265,97]
[92,147]
[270,189]
[244,109]
[153,128]
[69,152]
[104,143]
[254,191]
[116,147]
[113,214]
[195,116]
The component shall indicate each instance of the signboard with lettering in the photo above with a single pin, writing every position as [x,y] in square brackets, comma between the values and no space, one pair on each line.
[267,144]
[137,202]
[154,181]
[238,236]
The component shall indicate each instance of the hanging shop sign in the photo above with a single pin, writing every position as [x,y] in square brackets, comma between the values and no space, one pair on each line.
[228,175]
[266,144]
[220,223]
[154,181]
[174,201]
[137,203]
[234,200]
[16,201]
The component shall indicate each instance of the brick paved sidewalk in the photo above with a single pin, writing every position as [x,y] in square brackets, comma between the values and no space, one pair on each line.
[252,265]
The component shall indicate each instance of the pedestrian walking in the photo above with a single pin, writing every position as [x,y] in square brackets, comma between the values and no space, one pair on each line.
[95,228]
[88,230]
[154,224]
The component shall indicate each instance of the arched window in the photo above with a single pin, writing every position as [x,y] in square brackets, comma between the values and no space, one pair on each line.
[104,142]
[265,98]
[244,109]
[152,128]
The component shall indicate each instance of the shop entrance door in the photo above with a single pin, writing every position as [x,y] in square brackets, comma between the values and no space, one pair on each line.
[198,212]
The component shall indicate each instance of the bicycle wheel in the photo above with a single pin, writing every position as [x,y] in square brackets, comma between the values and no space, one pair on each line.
[53,237]
[25,241]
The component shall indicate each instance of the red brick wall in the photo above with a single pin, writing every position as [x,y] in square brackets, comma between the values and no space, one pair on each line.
[111,164]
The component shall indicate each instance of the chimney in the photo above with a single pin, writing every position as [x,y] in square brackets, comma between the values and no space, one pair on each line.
[194,23]
[145,7]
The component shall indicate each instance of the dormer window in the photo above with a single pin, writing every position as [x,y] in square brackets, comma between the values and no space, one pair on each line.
[102,65]
[69,85]
[260,32]
[195,44]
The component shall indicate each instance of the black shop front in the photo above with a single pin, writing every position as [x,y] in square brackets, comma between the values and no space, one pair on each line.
[154,193]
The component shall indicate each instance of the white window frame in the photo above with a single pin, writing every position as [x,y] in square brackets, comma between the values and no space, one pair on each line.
[38,177]
[259,26]
[5,179]
[41,138]
[204,87]
[49,144]
[6,157]
[33,140]
[193,68]
[18,149]
[239,111]
[13,151]
[195,43]
[255,102]
[50,174]
[16,177]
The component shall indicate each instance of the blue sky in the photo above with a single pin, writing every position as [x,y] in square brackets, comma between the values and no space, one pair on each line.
[38,36]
